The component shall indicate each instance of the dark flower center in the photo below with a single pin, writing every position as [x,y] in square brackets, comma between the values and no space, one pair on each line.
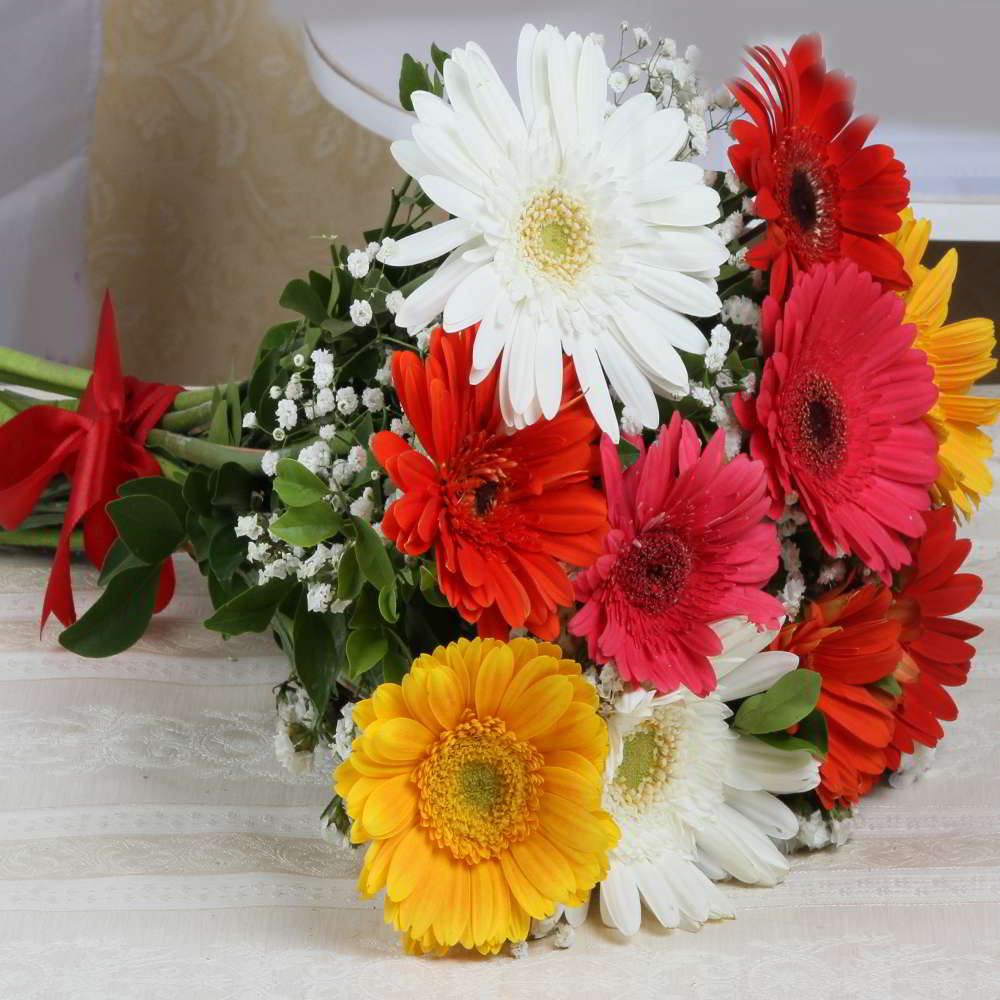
[808,192]
[654,570]
[485,495]
[802,200]
[818,423]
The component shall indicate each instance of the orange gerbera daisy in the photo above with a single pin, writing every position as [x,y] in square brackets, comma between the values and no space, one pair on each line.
[936,650]
[499,509]
[850,640]
[478,782]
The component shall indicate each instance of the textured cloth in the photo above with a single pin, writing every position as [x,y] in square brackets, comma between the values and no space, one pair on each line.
[152,847]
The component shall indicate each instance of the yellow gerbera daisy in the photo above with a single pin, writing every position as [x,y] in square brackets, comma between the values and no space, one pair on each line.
[478,782]
[960,354]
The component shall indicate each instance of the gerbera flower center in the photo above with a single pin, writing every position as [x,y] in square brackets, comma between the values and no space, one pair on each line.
[807,192]
[817,422]
[555,235]
[654,570]
[648,753]
[479,789]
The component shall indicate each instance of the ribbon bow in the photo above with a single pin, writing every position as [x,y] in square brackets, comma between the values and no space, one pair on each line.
[97,448]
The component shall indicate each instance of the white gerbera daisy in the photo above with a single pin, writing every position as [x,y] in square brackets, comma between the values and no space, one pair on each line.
[693,798]
[573,230]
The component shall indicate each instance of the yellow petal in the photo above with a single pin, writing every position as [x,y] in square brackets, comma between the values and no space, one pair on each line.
[524,890]
[415,693]
[399,739]
[544,867]
[539,708]
[388,701]
[391,807]
[524,676]
[572,786]
[364,713]
[411,864]
[444,695]
[492,679]
[579,828]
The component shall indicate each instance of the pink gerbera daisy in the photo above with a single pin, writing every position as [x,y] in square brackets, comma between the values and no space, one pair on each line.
[838,417]
[688,546]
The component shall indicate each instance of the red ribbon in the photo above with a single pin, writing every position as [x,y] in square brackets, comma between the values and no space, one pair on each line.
[97,448]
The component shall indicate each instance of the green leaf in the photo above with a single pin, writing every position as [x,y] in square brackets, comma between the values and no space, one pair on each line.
[225,552]
[888,684]
[118,618]
[322,286]
[196,492]
[315,653]
[157,486]
[429,587]
[301,297]
[373,559]
[263,376]
[297,486]
[365,648]
[790,699]
[218,428]
[387,602]
[349,578]
[394,666]
[117,559]
[811,735]
[147,525]
[235,416]
[272,340]
[233,488]
[412,76]
[366,612]
[439,56]
[628,453]
[252,610]
[307,525]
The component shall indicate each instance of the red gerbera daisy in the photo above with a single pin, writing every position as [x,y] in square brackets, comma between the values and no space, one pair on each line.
[838,416]
[688,546]
[824,194]
[499,509]
[849,639]
[936,651]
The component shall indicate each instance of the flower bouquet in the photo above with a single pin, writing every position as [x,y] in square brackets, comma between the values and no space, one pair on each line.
[604,507]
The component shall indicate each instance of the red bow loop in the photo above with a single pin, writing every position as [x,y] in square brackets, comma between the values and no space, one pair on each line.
[97,448]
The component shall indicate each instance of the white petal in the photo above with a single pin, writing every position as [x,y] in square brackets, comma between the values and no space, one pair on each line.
[741,639]
[657,893]
[696,895]
[623,120]
[755,764]
[757,674]
[769,813]
[737,845]
[426,302]
[562,60]
[595,389]
[493,102]
[677,329]
[677,291]
[691,250]
[548,370]
[489,343]
[453,198]
[449,157]
[651,348]
[696,206]
[521,377]
[591,89]
[473,130]
[429,243]
[525,71]
[575,915]
[660,180]
[656,139]
[629,383]
[620,905]
[468,303]
[409,156]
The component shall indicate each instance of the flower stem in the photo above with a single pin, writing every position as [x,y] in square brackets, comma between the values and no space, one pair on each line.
[42,538]
[196,397]
[206,453]
[18,401]
[185,419]
[38,373]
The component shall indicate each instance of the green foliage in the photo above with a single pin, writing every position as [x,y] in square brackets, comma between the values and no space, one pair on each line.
[301,297]
[365,649]
[307,525]
[147,525]
[413,76]
[373,560]
[297,485]
[810,735]
[318,643]
[251,610]
[789,700]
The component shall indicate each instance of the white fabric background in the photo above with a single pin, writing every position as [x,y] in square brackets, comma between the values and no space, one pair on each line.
[151,847]
[50,55]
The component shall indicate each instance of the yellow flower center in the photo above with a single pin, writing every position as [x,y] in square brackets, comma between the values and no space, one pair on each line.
[479,789]
[555,235]
[647,755]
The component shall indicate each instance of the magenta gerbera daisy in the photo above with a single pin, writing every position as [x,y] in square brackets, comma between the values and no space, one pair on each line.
[688,546]
[838,416]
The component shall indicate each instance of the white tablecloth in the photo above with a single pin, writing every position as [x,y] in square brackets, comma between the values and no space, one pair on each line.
[151,847]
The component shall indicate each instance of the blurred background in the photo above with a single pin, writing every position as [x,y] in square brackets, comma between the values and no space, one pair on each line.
[215,164]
